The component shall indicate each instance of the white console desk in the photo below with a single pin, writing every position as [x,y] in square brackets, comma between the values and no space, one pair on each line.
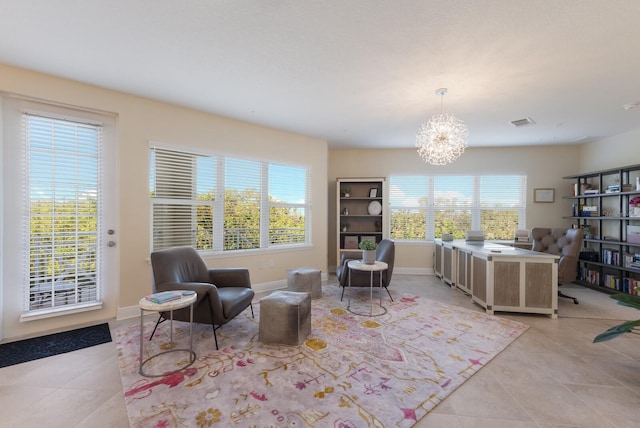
[500,277]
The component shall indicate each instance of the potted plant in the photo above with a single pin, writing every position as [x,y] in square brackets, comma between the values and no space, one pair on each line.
[625,327]
[368,248]
[346,192]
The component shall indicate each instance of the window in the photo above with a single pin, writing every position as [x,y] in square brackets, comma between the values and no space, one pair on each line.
[62,202]
[218,203]
[408,197]
[493,204]
[453,204]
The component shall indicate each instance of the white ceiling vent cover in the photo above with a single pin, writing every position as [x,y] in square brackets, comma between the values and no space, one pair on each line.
[523,122]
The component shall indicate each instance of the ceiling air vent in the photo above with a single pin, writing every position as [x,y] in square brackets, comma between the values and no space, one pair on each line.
[523,122]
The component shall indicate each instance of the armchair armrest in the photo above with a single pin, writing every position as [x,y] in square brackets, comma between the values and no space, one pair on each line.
[342,270]
[230,277]
[201,288]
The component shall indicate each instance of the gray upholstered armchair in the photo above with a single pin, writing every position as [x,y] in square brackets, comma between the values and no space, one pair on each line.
[386,252]
[565,243]
[222,293]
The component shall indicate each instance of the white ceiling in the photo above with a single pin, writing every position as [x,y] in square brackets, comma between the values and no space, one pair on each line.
[358,73]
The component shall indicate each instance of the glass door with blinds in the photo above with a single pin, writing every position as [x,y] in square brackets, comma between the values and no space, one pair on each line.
[65,231]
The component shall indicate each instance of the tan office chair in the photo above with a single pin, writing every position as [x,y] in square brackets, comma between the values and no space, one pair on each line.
[386,252]
[222,293]
[565,243]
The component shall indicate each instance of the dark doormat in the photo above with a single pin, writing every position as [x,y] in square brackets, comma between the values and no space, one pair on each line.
[53,344]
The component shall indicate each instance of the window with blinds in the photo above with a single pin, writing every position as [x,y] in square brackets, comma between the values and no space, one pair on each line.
[425,207]
[62,203]
[219,203]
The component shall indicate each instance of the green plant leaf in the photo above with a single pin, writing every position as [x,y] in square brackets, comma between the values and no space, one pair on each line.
[613,332]
[627,300]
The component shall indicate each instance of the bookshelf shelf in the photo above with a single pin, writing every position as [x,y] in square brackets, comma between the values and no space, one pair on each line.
[607,253]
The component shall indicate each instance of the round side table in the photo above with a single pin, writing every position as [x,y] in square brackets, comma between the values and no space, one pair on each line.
[375,267]
[170,306]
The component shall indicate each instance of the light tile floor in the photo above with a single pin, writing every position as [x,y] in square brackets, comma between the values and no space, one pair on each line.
[551,377]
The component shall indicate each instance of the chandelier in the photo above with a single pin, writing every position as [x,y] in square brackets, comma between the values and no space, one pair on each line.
[443,138]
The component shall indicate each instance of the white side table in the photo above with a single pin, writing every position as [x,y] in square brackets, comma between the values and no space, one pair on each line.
[170,306]
[375,267]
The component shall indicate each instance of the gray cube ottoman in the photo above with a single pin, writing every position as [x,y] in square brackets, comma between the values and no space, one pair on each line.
[305,279]
[285,318]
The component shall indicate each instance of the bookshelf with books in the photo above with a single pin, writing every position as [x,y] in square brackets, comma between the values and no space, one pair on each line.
[606,206]
[362,213]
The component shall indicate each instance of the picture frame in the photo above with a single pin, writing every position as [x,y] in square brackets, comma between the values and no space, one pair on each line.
[350,242]
[543,195]
[373,192]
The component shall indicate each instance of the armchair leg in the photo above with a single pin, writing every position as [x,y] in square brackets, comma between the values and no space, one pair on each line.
[342,295]
[160,319]
[215,337]
[561,294]
[388,293]
[251,304]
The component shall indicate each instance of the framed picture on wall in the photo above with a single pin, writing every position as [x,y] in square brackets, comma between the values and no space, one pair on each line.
[351,242]
[543,195]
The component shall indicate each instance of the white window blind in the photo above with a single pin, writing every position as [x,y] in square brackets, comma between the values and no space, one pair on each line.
[62,203]
[183,188]
[220,203]
[408,202]
[242,204]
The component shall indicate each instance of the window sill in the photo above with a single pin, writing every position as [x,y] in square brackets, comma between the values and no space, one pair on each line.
[56,312]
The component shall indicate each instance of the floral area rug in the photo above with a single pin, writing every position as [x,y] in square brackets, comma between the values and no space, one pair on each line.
[352,371]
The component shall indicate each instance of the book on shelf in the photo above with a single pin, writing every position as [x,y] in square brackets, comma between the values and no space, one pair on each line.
[164,296]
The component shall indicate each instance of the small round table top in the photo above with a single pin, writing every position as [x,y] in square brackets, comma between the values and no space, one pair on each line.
[359,265]
[180,303]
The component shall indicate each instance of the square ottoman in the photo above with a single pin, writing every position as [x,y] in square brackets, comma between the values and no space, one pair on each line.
[285,318]
[305,279]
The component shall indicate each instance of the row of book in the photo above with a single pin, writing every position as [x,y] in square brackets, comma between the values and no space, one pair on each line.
[613,257]
[590,275]
[624,285]
[632,260]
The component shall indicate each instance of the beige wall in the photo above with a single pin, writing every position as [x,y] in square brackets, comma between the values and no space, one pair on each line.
[544,167]
[613,152]
[142,120]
